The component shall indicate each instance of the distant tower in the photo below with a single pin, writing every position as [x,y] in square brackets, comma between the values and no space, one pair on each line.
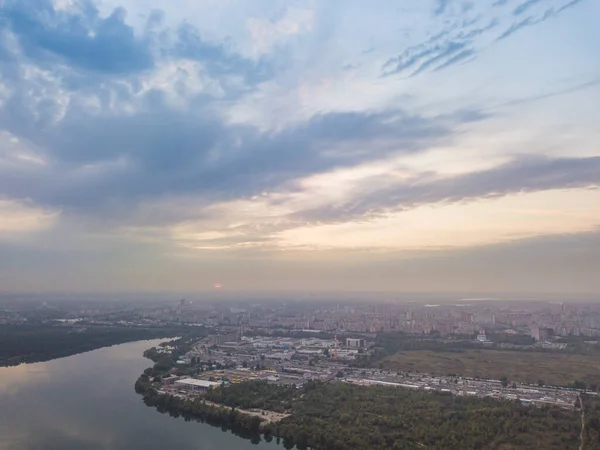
[180,308]
[336,347]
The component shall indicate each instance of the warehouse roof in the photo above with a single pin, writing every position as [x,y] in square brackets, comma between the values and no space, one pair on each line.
[194,382]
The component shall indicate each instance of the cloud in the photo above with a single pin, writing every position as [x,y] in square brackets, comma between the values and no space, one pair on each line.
[461,56]
[534,19]
[366,202]
[451,225]
[105,159]
[132,137]
[527,174]
[112,140]
[525,6]
[266,33]
[18,217]
[517,26]
[441,6]
[440,51]
[84,40]
[568,5]
[578,87]
[80,38]
[464,35]
[217,58]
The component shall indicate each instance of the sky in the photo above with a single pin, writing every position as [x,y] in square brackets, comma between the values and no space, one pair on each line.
[393,145]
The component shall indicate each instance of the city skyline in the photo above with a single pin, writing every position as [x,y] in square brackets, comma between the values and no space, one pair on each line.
[439,146]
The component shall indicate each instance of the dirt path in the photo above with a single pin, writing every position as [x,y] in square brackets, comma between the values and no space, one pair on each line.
[268,416]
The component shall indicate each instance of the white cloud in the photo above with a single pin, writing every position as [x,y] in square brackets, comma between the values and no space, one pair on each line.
[266,33]
[456,225]
[18,217]
[14,152]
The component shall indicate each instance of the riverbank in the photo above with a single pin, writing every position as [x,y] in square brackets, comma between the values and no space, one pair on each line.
[21,344]
[339,416]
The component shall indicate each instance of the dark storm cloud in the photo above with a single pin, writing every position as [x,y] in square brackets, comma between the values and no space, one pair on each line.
[521,175]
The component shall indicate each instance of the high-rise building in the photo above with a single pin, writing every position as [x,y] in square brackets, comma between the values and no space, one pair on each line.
[350,342]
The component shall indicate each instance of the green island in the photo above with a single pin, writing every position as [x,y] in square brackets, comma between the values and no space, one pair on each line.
[336,415]
[40,342]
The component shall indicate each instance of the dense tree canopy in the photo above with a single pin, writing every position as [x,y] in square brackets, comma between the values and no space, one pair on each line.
[34,343]
[341,416]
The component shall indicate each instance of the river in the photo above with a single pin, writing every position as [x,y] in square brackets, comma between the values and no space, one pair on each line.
[87,402]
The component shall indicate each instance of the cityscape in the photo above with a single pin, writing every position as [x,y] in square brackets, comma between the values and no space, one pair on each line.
[544,321]
[290,342]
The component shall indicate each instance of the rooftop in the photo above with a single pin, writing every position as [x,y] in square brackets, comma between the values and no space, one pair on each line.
[194,382]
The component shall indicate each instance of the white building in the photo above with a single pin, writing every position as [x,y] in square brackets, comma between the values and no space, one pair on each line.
[192,384]
[347,354]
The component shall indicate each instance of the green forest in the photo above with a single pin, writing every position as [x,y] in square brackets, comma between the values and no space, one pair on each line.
[36,343]
[341,416]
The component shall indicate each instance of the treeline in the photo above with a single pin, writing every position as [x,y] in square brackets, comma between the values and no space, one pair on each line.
[591,433]
[511,339]
[259,394]
[228,418]
[28,344]
[388,344]
[341,416]
[279,332]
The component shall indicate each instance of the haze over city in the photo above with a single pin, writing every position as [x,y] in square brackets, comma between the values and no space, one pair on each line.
[434,146]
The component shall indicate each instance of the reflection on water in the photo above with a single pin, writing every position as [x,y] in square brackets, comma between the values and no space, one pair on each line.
[87,401]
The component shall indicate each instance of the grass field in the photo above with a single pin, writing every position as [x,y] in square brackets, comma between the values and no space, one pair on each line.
[552,368]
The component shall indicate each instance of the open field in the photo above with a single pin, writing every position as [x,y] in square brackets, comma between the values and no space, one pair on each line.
[552,368]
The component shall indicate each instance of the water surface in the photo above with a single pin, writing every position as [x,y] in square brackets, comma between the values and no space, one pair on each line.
[88,401]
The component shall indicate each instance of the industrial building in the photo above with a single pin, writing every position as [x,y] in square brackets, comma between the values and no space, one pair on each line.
[191,384]
[171,379]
